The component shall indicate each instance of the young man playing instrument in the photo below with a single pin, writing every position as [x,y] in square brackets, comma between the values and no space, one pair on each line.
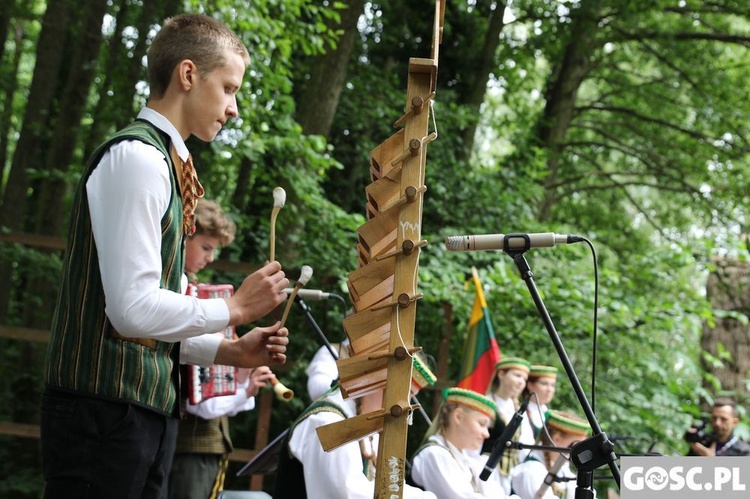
[111,399]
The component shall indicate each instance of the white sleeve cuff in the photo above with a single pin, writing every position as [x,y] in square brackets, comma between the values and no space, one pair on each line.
[200,350]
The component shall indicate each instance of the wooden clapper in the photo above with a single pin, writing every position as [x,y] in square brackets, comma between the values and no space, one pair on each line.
[383,288]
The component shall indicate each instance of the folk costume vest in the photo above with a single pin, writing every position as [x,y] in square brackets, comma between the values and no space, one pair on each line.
[86,355]
[510,456]
[203,436]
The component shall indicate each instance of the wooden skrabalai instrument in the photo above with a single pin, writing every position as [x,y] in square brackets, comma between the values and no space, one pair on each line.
[383,289]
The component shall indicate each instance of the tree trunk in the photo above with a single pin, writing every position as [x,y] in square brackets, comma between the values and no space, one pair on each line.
[561,96]
[35,127]
[122,71]
[728,290]
[317,105]
[72,104]
[244,201]
[40,290]
[486,61]
[7,10]
[10,84]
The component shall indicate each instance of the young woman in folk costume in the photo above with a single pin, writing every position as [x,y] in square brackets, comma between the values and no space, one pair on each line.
[448,464]
[507,385]
[564,429]
[543,382]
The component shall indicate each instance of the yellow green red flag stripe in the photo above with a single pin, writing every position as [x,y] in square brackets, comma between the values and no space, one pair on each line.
[481,351]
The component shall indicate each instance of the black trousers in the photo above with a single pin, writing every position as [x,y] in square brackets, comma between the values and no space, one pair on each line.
[95,448]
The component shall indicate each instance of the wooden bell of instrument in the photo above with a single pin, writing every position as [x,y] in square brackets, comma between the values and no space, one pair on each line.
[282,392]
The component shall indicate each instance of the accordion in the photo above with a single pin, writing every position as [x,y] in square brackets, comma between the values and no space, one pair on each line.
[216,380]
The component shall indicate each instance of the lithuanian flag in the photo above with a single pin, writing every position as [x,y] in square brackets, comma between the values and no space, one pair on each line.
[481,351]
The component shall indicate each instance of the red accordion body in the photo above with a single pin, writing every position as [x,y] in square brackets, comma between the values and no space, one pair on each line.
[206,382]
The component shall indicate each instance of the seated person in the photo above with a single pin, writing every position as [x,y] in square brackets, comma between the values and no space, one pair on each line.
[444,464]
[347,472]
[507,385]
[542,381]
[528,477]
[203,443]
[322,371]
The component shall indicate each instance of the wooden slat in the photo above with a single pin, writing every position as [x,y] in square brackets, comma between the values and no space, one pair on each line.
[384,190]
[378,235]
[24,334]
[383,154]
[19,429]
[391,467]
[336,434]
[34,240]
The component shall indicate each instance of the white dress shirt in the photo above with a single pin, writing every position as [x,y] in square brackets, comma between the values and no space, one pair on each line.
[451,473]
[128,194]
[529,476]
[321,371]
[225,405]
[536,413]
[336,474]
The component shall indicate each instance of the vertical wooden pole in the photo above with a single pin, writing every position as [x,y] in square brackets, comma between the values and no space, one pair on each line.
[261,432]
[392,449]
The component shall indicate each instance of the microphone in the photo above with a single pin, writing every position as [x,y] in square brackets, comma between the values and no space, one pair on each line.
[507,242]
[311,294]
[503,441]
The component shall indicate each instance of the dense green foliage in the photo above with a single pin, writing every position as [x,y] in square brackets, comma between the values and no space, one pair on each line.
[622,121]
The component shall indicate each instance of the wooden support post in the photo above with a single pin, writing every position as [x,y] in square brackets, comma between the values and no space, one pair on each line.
[261,432]
[389,479]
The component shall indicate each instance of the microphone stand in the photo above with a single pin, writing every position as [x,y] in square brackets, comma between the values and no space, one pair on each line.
[520,446]
[279,439]
[597,450]
[306,311]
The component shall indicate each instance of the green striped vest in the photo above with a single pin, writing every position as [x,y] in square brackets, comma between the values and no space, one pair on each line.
[85,354]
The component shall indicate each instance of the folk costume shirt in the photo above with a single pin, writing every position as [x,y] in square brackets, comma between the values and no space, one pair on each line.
[449,473]
[337,474]
[534,416]
[529,476]
[226,405]
[127,200]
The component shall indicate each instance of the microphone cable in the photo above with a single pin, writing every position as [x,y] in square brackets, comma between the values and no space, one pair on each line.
[596,324]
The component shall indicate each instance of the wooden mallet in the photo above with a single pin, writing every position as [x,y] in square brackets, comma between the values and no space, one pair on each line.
[305,275]
[279,198]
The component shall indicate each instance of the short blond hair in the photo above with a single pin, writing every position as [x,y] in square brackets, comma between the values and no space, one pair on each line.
[197,37]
